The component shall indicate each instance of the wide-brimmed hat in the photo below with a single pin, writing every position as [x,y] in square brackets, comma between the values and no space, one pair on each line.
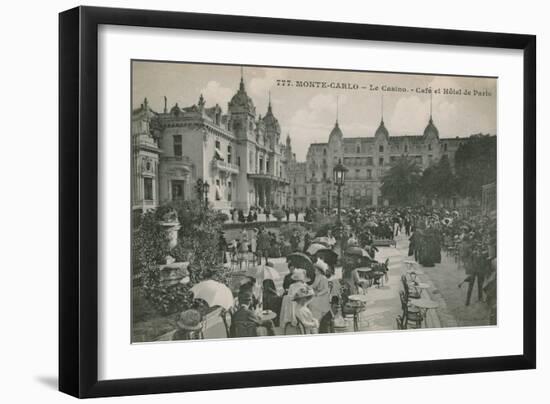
[304,293]
[190,320]
[321,266]
[299,274]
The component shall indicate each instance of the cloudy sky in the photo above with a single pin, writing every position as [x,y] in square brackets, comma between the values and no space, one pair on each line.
[308,113]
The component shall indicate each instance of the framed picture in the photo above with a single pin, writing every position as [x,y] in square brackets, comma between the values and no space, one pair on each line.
[251,202]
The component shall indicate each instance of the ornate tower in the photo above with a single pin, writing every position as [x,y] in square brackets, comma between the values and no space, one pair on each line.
[242,112]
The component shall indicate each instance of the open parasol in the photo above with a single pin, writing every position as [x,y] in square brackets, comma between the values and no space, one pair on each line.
[321,240]
[327,255]
[214,293]
[357,252]
[263,272]
[300,260]
[313,248]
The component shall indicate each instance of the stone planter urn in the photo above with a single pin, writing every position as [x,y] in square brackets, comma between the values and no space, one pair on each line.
[172,272]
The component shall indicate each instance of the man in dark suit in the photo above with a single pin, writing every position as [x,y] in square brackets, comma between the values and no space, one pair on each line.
[326,325]
[245,321]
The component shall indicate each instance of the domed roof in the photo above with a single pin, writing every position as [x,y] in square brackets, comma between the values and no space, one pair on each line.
[270,121]
[336,131]
[431,129]
[381,131]
[175,110]
[241,99]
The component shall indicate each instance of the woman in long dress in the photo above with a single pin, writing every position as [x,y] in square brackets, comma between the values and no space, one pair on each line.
[303,314]
[288,313]
[320,303]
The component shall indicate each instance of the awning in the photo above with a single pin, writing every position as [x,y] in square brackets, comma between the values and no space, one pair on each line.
[218,193]
[218,154]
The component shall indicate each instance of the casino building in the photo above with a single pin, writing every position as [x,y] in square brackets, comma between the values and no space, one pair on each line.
[239,153]
[367,159]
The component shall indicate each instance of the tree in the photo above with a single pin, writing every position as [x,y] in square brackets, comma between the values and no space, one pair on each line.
[476,164]
[400,185]
[438,180]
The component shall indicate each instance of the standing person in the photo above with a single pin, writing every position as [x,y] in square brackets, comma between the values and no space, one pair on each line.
[295,241]
[407,225]
[331,239]
[222,246]
[320,302]
[287,212]
[262,245]
[307,241]
[254,244]
[271,299]
[296,213]
[287,280]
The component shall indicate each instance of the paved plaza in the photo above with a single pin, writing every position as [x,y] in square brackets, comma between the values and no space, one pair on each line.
[383,303]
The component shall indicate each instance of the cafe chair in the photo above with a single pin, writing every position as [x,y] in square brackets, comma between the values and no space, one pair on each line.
[409,316]
[409,294]
[399,323]
[244,329]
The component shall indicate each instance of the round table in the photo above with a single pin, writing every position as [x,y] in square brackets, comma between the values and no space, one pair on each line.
[424,305]
[410,264]
[267,315]
[358,298]
[363,269]
[360,303]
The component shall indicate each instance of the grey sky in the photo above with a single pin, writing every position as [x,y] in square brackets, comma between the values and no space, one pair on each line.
[309,113]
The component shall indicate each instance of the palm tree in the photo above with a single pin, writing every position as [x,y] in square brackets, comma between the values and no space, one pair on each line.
[400,184]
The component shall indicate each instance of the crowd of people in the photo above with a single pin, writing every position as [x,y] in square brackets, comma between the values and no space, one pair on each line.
[314,301]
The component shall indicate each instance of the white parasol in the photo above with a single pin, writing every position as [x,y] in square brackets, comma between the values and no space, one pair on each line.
[214,293]
[263,272]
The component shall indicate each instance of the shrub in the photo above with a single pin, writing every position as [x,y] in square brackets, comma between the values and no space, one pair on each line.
[198,243]
[279,214]
[287,230]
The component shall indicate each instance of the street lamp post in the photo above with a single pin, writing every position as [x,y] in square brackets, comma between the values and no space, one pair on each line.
[202,188]
[339,174]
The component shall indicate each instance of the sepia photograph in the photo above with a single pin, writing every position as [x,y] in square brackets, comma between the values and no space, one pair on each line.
[283,201]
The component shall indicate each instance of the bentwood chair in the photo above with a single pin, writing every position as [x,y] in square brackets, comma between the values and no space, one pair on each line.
[244,329]
[399,323]
[409,317]
[409,294]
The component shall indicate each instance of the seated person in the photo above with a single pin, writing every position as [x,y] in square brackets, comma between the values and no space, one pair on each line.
[189,326]
[332,318]
[245,321]
[303,313]
[248,285]
[298,279]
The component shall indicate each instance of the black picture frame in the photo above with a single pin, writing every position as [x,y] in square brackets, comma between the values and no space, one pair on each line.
[78,196]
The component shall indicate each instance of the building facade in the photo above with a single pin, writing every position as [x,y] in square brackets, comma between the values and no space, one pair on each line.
[239,153]
[367,159]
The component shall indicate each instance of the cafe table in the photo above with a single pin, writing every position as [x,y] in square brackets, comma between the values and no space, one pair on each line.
[358,304]
[267,315]
[424,304]
[410,264]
